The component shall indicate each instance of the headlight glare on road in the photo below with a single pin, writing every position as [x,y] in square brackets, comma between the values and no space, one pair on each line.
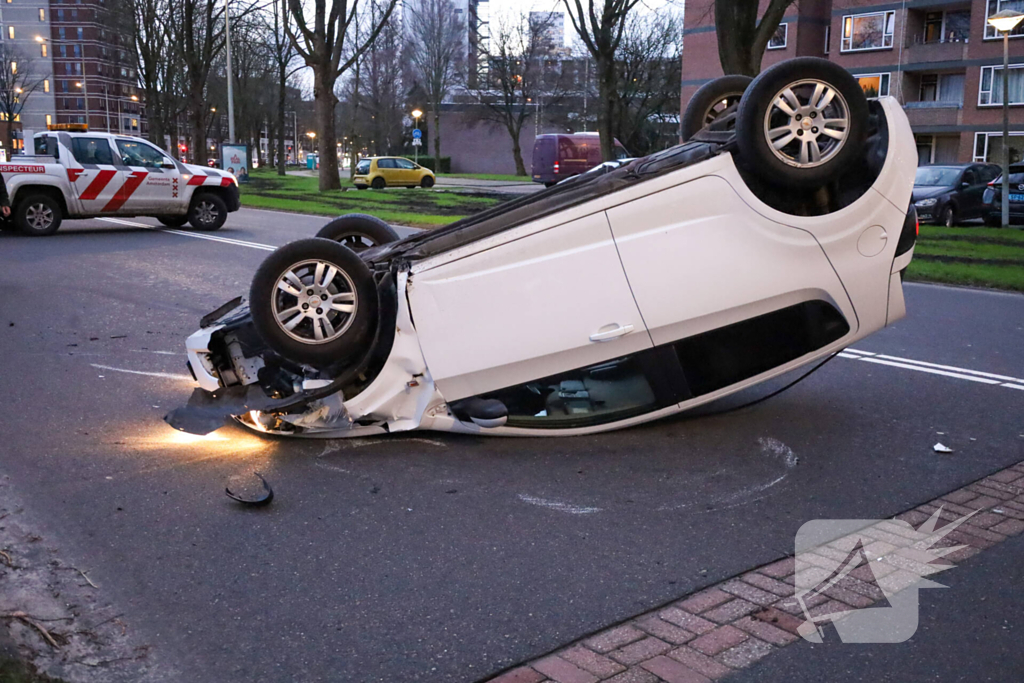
[926,202]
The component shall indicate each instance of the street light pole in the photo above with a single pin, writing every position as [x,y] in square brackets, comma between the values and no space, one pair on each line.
[416,114]
[231,99]
[1005,21]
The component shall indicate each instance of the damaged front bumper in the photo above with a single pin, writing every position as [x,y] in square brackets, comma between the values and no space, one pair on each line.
[240,378]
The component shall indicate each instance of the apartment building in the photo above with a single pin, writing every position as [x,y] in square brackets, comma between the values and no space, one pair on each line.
[75,48]
[939,58]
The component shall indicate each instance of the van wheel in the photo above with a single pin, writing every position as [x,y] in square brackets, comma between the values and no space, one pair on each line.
[208,212]
[802,122]
[378,183]
[38,215]
[711,101]
[358,232]
[172,221]
[314,301]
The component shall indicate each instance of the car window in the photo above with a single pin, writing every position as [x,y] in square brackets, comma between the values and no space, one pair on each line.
[47,146]
[363,167]
[385,163]
[406,164]
[970,177]
[988,173]
[621,153]
[92,150]
[929,175]
[134,153]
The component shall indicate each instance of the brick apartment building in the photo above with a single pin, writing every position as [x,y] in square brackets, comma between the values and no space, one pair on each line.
[86,72]
[939,58]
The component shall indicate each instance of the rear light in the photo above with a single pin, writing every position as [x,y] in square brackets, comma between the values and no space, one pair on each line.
[917,225]
[556,168]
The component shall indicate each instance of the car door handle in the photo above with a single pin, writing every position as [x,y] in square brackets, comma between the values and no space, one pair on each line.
[617,331]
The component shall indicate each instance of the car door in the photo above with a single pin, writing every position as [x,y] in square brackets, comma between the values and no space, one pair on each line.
[529,308]
[148,187]
[99,177]
[389,171]
[410,173]
[698,259]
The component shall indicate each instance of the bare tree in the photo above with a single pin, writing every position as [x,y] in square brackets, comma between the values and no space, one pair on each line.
[743,33]
[518,74]
[650,72]
[438,50]
[199,35]
[600,26]
[18,80]
[383,67]
[149,23]
[283,57]
[322,46]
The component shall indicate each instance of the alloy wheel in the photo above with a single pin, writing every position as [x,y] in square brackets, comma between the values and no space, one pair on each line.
[314,302]
[807,123]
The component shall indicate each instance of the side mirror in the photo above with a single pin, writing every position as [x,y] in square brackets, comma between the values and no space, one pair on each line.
[167,164]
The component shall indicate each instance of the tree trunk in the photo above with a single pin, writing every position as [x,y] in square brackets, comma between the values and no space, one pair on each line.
[608,93]
[281,93]
[197,112]
[437,139]
[327,139]
[156,129]
[517,150]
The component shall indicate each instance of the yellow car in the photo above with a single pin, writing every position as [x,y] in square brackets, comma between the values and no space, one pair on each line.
[381,172]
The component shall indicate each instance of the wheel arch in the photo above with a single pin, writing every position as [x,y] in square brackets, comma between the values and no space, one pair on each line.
[51,191]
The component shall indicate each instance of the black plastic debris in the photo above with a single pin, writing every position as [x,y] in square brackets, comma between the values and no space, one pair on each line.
[249,491]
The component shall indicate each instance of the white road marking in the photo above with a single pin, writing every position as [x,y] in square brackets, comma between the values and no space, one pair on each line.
[198,236]
[934,368]
[161,375]
[558,506]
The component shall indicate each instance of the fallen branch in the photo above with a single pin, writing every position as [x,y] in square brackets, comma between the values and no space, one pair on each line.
[86,577]
[22,616]
[7,559]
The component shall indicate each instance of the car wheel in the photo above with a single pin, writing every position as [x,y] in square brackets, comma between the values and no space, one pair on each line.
[208,212]
[948,216]
[358,232]
[378,183]
[173,221]
[314,301]
[711,101]
[427,182]
[802,122]
[994,221]
[38,215]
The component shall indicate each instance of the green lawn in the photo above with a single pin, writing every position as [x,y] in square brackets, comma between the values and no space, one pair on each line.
[981,257]
[400,206]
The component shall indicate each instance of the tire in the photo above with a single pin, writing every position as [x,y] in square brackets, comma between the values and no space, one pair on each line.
[358,232]
[711,101]
[948,217]
[993,220]
[762,125]
[173,221]
[207,212]
[38,215]
[427,182]
[347,332]
[378,183]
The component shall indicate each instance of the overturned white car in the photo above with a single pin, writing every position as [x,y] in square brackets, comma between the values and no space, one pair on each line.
[773,238]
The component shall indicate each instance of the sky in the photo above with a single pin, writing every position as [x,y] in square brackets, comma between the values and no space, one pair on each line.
[511,8]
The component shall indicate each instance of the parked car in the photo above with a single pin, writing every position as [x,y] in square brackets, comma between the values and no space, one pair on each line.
[83,175]
[557,156]
[620,296]
[381,172]
[993,198]
[951,193]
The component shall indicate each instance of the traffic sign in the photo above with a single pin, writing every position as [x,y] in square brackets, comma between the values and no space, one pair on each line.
[417,134]
[416,142]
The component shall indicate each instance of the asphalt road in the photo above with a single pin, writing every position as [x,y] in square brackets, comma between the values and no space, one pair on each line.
[432,557]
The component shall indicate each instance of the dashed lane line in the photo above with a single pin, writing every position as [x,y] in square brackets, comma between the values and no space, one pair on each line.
[952,371]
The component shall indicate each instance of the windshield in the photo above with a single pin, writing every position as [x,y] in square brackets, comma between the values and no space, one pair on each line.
[363,167]
[927,175]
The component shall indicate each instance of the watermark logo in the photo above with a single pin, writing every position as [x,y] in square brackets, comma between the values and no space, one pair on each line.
[885,560]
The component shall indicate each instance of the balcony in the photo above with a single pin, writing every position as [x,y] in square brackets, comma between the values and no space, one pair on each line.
[925,114]
[926,54]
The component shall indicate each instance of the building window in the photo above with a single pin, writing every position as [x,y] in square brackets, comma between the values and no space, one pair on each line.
[10,32]
[929,88]
[42,49]
[874,85]
[42,14]
[46,85]
[135,124]
[778,39]
[80,33]
[991,90]
[60,32]
[14,67]
[947,27]
[49,120]
[828,38]
[988,147]
[872,31]
[993,6]
[63,49]
[78,50]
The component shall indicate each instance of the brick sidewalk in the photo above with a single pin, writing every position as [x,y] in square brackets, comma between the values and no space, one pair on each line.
[729,626]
